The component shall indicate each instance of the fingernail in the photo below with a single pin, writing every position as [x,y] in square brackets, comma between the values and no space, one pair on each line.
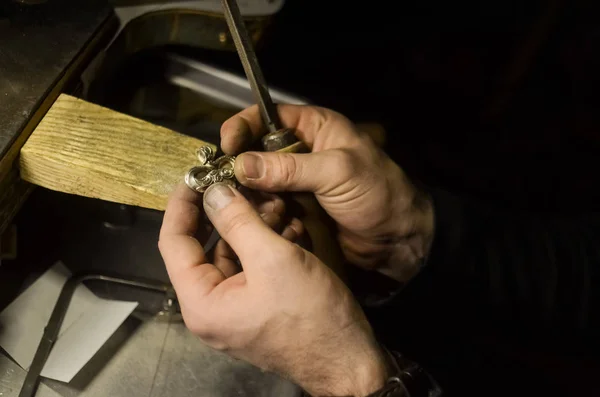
[218,196]
[265,217]
[252,165]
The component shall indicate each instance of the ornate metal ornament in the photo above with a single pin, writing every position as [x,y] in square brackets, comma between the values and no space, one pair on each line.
[211,170]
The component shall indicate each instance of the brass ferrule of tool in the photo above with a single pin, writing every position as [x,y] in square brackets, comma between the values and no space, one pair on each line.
[283,140]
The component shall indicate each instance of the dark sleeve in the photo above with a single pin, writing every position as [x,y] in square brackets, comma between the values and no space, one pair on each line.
[536,272]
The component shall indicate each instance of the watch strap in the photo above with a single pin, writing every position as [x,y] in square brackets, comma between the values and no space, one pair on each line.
[393,388]
[411,380]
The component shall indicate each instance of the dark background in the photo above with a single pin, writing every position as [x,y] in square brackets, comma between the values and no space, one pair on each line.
[496,99]
[493,99]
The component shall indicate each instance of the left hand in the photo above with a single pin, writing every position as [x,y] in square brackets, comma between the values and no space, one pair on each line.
[285,312]
[385,222]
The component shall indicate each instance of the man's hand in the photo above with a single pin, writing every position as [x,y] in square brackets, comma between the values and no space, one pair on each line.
[284,312]
[384,222]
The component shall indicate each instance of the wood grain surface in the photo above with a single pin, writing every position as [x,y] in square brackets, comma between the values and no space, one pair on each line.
[88,150]
[85,149]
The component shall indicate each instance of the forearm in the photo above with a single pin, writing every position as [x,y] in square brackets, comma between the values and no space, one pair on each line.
[401,377]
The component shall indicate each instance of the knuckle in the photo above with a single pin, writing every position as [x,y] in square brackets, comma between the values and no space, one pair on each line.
[197,328]
[320,118]
[292,254]
[346,160]
[209,337]
[282,172]
[314,119]
[297,253]
[235,221]
[279,206]
[205,328]
[289,168]
[271,219]
[297,225]
[164,242]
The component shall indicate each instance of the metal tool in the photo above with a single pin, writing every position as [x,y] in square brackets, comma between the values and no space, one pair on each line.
[213,170]
[278,138]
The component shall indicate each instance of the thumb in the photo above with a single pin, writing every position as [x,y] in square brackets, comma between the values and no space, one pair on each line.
[238,223]
[276,172]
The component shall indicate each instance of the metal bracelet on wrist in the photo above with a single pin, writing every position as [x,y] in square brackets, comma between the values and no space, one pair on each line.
[393,388]
[411,380]
[211,170]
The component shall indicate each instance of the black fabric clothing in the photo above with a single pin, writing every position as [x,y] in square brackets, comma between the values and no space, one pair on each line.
[506,305]
[538,272]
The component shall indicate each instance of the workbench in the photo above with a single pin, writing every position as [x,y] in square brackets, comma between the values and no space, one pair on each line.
[43,50]
[46,50]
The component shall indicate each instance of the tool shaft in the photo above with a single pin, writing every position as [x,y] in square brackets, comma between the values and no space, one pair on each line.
[249,60]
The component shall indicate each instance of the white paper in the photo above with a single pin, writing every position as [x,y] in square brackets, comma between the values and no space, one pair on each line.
[88,323]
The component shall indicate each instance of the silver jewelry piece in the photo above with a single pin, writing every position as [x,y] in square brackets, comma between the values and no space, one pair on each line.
[210,170]
[205,154]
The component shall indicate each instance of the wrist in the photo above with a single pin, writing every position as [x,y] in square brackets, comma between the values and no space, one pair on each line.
[370,374]
[360,375]
[413,224]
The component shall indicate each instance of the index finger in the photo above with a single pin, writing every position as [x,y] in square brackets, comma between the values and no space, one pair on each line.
[317,127]
[182,253]
[182,213]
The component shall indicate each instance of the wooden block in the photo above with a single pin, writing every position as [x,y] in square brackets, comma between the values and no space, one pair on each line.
[88,150]
[85,149]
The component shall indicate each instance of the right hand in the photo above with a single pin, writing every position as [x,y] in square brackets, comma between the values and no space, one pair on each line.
[285,311]
[384,221]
